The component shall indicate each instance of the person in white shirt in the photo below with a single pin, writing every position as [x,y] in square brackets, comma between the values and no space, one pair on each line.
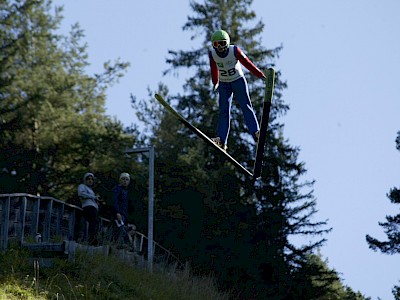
[90,206]
[227,76]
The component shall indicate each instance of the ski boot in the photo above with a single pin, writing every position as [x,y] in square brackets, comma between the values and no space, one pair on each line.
[218,142]
[256,136]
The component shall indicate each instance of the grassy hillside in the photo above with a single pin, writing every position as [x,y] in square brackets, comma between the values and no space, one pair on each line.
[96,277]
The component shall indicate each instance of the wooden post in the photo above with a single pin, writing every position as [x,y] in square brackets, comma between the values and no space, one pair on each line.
[47,220]
[5,223]
[35,216]
[71,224]
[21,223]
[60,215]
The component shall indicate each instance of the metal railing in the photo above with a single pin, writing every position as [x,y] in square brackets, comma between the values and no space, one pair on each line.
[24,217]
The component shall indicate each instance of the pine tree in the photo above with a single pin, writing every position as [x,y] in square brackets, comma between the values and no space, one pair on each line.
[53,126]
[391,228]
[237,231]
[392,245]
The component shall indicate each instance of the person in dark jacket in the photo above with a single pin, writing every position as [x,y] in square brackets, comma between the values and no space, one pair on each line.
[120,199]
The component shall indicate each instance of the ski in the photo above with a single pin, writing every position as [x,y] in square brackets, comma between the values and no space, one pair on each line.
[203,136]
[269,89]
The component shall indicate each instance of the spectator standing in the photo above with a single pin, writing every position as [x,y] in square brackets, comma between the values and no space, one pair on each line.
[120,198]
[90,206]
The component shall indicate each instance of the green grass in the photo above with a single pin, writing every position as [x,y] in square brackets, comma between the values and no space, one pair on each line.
[97,277]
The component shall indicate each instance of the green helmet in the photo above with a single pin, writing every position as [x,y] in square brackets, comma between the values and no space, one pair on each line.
[220,40]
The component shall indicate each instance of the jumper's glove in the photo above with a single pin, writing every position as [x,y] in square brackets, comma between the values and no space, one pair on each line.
[215,88]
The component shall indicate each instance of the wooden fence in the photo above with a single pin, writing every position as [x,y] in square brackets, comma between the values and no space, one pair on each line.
[31,220]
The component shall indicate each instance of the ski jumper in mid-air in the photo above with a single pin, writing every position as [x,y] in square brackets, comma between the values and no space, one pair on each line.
[228,78]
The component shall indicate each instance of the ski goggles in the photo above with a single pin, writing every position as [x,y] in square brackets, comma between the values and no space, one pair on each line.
[216,44]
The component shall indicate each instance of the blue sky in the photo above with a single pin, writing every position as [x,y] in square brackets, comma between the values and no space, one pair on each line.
[341,60]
